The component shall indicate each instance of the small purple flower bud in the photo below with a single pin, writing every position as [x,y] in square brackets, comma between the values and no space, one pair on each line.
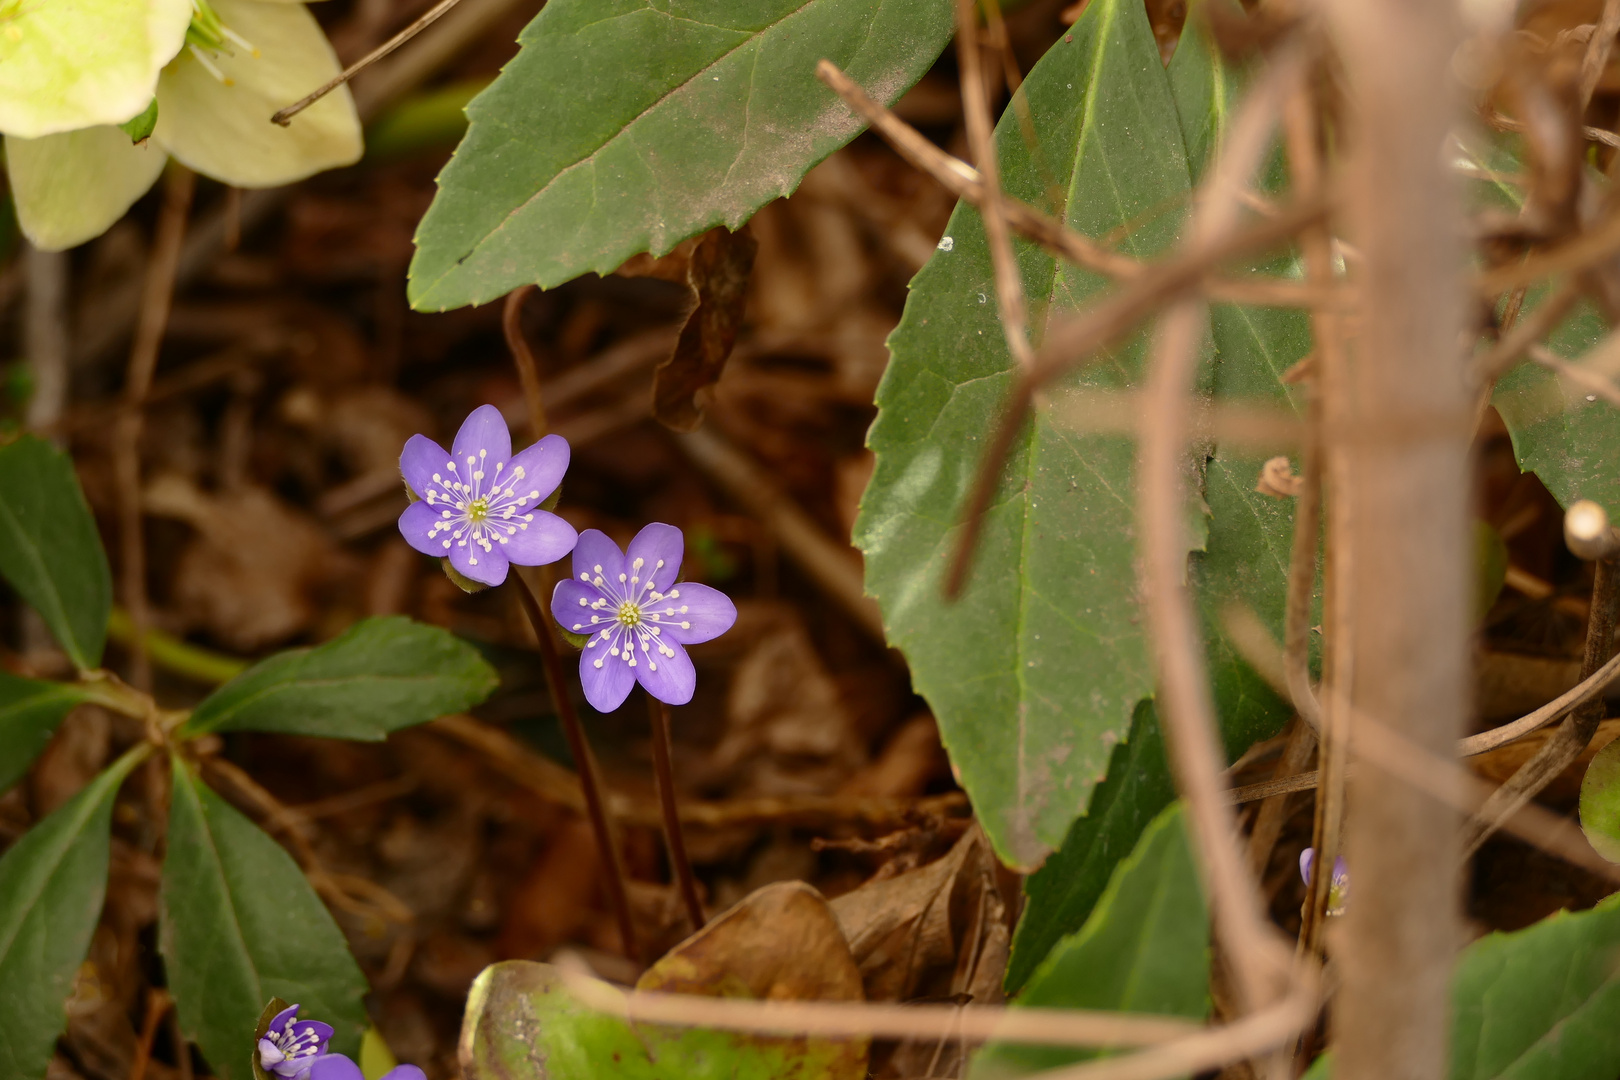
[637,616]
[480,504]
[1338,887]
[292,1046]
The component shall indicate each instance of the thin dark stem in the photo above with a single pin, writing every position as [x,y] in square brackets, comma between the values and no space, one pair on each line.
[590,777]
[156,299]
[664,771]
[523,358]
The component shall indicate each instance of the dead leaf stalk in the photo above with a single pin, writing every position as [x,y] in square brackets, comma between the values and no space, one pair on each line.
[664,777]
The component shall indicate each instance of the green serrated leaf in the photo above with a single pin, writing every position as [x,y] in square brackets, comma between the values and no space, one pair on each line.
[1536,1004]
[1567,436]
[1245,558]
[522,1023]
[240,925]
[380,676]
[1035,673]
[30,711]
[49,549]
[52,882]
[626,125]
[1144,949]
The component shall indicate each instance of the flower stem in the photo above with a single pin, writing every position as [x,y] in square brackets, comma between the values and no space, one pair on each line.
[590,779]
[664,771]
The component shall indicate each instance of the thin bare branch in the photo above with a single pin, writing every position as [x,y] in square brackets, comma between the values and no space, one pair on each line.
[981,138]
[1596,57]
[1243,425]
[421,23]
[1589,381]
[1529,329]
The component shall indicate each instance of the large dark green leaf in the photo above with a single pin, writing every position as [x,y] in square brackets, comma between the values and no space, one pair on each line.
[523,1024]
[1244,557]
[1144,949]
[49,549]
[626,125]
[240,925]
[30,710]
[382,675]
[51,886]
[1035,673]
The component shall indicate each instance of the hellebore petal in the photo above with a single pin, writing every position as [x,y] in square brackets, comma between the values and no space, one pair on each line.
[224,131]
[484,432]
[65,66]
[695,613]
[71,187]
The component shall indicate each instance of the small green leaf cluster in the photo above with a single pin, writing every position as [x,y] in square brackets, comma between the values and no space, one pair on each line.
[239,921]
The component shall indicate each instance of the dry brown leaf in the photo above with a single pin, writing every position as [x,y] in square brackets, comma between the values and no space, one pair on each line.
[717,272]
[780,943]
[251,573]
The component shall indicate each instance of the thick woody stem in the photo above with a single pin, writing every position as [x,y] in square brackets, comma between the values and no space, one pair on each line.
[1398,426]
[664,772]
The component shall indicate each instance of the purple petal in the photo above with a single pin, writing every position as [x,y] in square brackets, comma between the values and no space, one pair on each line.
[543,464]
[1306,857]
[484,429]
[670,679]
[1341,873]
[323,1031]
[278,1023]
[547,539]
[335,1067]
[472,561]
[707,612]
[404,1072]
[654,545]
[571,615]
[269,1053]
[414,524]
[594,549]
[607,679]
[421,458]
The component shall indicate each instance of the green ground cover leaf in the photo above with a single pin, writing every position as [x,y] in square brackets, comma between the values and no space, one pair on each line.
[52,882]
[1536,1004]
[1035,673]
[379,676]
[240,925]
[1144,949]
[629,125]
[525,1025]
[30,711]
[49,549]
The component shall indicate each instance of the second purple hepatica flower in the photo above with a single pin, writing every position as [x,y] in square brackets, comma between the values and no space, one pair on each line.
[479,505]
[638,616]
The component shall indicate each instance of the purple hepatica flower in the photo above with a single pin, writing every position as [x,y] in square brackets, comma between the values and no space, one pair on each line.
[479,505]
[637,616]
[338,1067]
[1338,888]
[291,1046]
